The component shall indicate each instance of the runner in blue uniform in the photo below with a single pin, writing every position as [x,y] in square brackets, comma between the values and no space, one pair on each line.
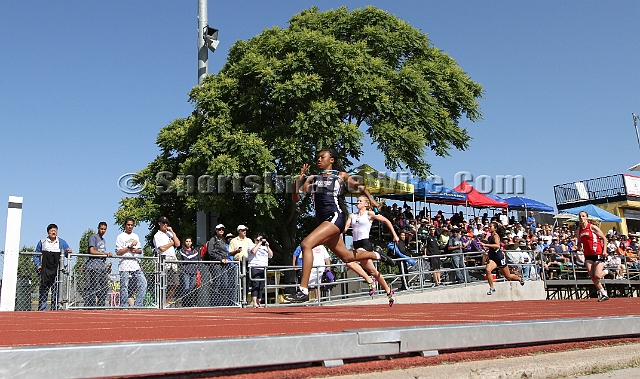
[327,189]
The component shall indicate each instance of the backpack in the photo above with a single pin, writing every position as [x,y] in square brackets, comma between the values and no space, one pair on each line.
[203,250]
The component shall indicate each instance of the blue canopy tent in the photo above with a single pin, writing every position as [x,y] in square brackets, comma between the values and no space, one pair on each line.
[592,210]
[517,202]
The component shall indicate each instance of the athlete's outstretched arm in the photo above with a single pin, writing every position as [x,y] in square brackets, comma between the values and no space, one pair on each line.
[302,183]
[352,183]
[386,221]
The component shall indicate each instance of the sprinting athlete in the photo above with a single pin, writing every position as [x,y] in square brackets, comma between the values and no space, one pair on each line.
[590,241]
[496,257]
[361,227]
[327,189]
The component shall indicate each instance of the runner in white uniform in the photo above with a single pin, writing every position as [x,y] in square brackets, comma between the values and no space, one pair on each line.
[361,227]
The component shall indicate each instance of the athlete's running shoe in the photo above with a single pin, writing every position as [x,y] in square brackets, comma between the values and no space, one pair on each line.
[390,297]
[384,258]
[491,291]
[372,287]
[603,298]
[298,297]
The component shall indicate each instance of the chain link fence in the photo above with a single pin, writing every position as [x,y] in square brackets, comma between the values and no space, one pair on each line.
[87,282]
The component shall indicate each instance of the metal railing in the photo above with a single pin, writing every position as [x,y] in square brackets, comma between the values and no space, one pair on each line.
[589,190]
[84,282]
[566,276]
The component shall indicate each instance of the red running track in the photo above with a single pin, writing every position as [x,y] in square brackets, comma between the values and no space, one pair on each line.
[103,326]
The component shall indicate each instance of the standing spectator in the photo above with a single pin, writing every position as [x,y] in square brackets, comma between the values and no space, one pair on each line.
[96,279]
[504,218]
[433,249]
[165,241]
[454,247]
[259,255]
[128,247]
[531,222]
[321,263]
[47,265]
[231,273]
[189,273]
[217,251]
[239,246]
[239,249]
[400,246]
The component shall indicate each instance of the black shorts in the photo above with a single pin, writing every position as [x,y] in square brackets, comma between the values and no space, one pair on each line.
[594,258]
[336,218]
[363,244]
[435,263]
[498,257]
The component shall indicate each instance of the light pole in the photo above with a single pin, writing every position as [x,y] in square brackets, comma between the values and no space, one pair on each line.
[207,40]
[635,123]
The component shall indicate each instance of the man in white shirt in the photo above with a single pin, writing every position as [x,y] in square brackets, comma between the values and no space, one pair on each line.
[165,241]
[240,245]
[504,219]
[128,247]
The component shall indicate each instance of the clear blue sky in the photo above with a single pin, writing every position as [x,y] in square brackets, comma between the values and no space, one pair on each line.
[87,85]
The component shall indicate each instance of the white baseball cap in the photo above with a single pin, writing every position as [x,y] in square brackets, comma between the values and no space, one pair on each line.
[219,226]
[242,227]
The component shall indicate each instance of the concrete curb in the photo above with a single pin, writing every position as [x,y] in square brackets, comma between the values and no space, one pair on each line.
[547,366]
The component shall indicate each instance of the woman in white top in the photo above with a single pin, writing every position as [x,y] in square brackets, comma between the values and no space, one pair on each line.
[361,226]
[259,255]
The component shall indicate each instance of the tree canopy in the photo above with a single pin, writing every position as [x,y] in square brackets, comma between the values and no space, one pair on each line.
[325,81]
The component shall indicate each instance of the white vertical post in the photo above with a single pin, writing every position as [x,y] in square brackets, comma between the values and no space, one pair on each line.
[11,253]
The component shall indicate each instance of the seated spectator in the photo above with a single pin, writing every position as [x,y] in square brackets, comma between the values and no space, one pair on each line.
[551,264]
[614,265]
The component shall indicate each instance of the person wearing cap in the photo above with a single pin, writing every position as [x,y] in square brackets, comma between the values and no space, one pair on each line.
[165,242]
[47,265]
[220,270]
[239,246]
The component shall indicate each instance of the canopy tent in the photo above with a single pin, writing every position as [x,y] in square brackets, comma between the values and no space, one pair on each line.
[431,192]
[494,197]
[517,202]
[563,216]
[592,210]
[476,199]
[378,183]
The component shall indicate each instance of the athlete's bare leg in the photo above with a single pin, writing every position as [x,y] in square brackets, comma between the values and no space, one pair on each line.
[491,265]
[327,234]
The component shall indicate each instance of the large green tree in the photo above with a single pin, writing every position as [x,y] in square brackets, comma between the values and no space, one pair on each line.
[323,82]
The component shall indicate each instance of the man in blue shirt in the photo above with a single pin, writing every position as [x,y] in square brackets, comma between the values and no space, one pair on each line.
[531,222]
[96,280]
[47,265]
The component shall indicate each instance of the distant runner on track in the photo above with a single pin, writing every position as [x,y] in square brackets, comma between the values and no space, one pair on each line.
[591,241]
[497,258]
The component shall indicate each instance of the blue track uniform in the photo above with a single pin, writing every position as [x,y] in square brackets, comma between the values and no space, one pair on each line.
[325,191]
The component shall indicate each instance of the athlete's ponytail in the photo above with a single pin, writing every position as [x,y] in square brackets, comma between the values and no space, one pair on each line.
[499,229]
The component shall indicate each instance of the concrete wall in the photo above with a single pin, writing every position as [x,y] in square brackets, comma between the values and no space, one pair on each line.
[475,292]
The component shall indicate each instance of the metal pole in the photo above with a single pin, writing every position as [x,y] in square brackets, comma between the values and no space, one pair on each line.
[203,52]
[635,124]
[203,67]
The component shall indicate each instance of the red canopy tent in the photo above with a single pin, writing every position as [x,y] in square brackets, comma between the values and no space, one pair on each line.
[476,199]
